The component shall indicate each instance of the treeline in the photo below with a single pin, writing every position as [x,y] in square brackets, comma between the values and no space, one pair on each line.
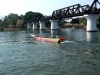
[18,21]
[83,21]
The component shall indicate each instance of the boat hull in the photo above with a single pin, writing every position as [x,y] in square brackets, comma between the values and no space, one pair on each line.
[48,39]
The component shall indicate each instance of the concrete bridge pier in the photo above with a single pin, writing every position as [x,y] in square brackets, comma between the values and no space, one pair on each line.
[91,22]
[54,24]
[42,24]
[28,25]
[34,25]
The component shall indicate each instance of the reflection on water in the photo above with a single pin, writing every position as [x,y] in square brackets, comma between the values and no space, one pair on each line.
[42,31]
[91,36]
[35,32]
[20,54]
[54,32]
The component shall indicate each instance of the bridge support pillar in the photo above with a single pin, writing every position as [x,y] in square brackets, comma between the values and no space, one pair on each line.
[42,24]
[28,25]
[34,25]
[91,22]
[54,24]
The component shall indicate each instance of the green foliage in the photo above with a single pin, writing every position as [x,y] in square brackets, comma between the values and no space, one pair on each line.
[48,23]
[61,22]
[15,20]
[19,24]
[98,22]
[32,16]
[21,17]
[83,20]
[11,19]
[75,21]
[5,21]
[1,24]
[28,16]
[79,21]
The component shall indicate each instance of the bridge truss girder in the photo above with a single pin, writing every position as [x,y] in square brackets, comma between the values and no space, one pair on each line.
[76,10]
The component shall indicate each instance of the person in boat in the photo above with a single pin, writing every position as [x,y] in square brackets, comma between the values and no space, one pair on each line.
[53,36]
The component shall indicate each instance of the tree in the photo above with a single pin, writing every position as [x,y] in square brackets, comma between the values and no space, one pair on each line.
[19,24]
[32,16]
[15,20]
[1,24]
[98,22]
[38,15]
[61,22]
[21,17]
[83,20]
[48,23]
[75,21]
[11,19]
[5,21]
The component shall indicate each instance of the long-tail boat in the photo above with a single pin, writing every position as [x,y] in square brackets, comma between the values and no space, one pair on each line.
[48,39]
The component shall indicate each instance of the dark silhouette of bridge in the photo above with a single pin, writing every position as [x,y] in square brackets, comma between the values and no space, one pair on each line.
[73,11]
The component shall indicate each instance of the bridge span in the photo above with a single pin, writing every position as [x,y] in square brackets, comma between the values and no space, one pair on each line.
[89,12]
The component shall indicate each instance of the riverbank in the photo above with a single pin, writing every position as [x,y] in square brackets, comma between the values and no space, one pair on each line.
[17,29]
[74,26]
[12,29]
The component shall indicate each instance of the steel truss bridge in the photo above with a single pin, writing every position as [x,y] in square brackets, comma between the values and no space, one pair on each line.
[73,11]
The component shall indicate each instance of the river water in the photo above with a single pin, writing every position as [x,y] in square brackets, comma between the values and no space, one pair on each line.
[79,54]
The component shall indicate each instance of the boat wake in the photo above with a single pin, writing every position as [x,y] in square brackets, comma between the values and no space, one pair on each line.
[69,42]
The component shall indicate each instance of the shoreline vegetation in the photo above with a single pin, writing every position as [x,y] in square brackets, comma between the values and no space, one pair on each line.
[64,26]
[18,22]
[67,25]
[16,29]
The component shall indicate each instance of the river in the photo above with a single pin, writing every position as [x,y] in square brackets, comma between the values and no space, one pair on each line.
[79,54]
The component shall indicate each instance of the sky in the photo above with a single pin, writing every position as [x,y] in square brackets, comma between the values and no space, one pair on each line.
[46,7]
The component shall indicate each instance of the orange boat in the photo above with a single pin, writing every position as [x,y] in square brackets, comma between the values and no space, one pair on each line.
[48,39]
